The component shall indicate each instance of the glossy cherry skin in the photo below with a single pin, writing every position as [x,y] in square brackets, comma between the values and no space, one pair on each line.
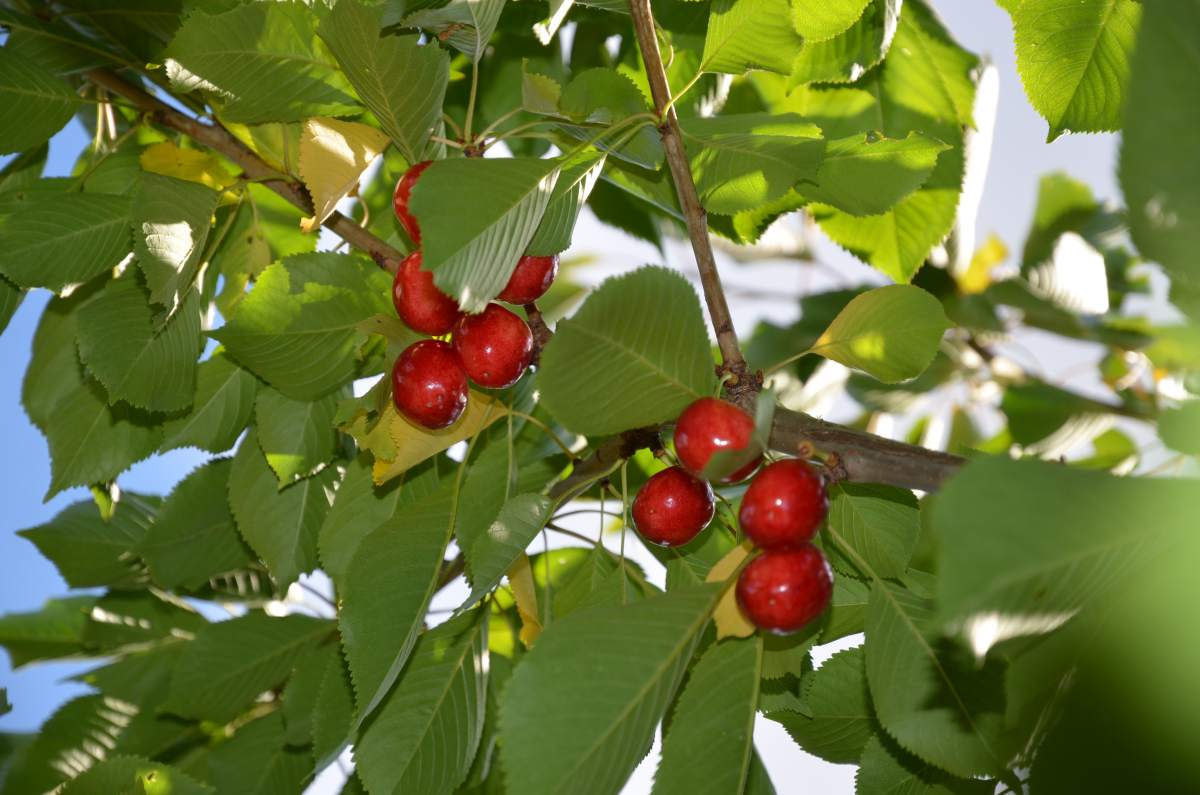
[429,385]
[783,589]
[784,506]
[530,281]
[708,426]
[672,507]
[495,346]
[419,303]
[400,200]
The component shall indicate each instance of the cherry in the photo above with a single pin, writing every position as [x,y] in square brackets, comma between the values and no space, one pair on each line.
[784,505]
[672,507]
[400,199]
[784,589]
[429,385]
[708,426]
[530,281]
[419,303]
[495,346]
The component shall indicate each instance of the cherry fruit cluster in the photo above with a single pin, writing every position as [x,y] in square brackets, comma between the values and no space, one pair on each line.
[492,349]
[789,583]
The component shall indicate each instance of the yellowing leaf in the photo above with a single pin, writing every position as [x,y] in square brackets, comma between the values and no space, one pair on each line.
[979,273]
[191,164]
[520,579]
[333,156]
[728,616]
[415,444]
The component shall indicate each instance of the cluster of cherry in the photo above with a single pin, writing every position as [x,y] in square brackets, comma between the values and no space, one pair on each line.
[789,583]
[492,349]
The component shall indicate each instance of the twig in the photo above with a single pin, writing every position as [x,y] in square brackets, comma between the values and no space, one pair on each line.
[541,332]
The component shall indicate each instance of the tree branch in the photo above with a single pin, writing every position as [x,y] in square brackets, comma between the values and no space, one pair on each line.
[253,166]
[741,387]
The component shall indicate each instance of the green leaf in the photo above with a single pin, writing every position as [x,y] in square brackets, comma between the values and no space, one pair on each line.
[1163,194]
[571,191]
[54,369]
[123,619]
[194,538]
[24,170]
[601,98]
[1179,428]
[297,436]
[551,740]
[425,734]
[221,407]
[92,442]
[260,63]
[818,20]
[89,551]
[841,719]
[171,219]
[258,760]
[890,333]
[333,712]
[742,171]
[231,662]
[944,709]
[400,80]
[279,524]
[869,174]
[472,255]
[302,691]
[150,366]
[847,608]
[1035,560]
[750,34]
[638,334]
[465,25]
[715,712]
[846,56]
[880,523]
[37,103]
[885,769]
[927,74]
[130,775]
[10,299]
[58,239]
[517,524]
[1063,204]
[56,630]
[1073,56]
[298,329]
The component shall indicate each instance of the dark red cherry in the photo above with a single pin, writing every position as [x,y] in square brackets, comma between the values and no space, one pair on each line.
[400,199]
[672,507]
[709,426]
[495,346]
[419,303]
[530,281]
[429,385]
[785,504]
[783,589]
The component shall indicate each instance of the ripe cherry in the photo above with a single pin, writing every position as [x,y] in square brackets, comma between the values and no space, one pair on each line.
[495,346]
[672,507]
[400,199]
[429,385]
[708,426]
[784,505]
[784,589]
[530,281]
[419,303]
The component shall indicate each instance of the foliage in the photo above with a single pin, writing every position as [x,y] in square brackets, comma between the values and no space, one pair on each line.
[1003,616]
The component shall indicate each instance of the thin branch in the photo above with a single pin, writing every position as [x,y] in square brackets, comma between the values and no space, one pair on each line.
[255,168]
[541,332]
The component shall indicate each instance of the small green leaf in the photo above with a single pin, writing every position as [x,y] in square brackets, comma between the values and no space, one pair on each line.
[1073,56]
[465,25]
[880,523]
[56,630]
[517,524]
[885,769]
[259,760]
[231,662]
[1179,427]
[221,407]
[841,719]
[129,775]
[890,333]
[869,174]
[847,55]
[571,191]
[126,619]
[750,34]
[742,171]
[297,436]
[89,551]
[715,712]
[818,20]
[58,239]
[170,219]
[37,103]
[333,712]
[638,334]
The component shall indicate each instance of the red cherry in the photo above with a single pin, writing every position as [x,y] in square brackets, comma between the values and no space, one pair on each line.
[672,507]
[419,303]
[400,200]
[784,505]
[495,346]
[784,589]
[708,426]
[530,281]
[429,385]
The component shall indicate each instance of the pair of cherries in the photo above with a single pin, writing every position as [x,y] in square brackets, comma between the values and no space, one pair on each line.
[789,583]
[493,348]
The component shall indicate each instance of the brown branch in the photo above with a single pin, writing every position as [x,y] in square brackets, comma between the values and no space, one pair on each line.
[740,387]
[607,457]
[541,332]
[253,166]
